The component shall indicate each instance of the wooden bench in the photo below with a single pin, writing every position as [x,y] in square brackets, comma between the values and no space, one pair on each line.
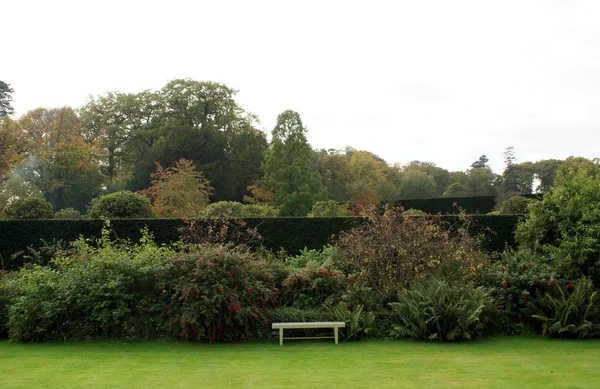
[303,325]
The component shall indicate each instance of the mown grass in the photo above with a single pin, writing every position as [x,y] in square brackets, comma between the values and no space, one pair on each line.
[507,362]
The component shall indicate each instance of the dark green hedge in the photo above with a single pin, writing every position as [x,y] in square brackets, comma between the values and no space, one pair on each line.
[293,234]
[475,205]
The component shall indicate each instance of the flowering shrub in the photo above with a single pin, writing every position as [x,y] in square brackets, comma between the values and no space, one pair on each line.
[316,285]
[515,280]
[216,293]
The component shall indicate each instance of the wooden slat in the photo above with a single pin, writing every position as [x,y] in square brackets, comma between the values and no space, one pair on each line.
[312,337]
[300,325]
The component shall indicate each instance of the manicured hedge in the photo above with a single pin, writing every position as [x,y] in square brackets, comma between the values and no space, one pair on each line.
[293,234]
[475,205]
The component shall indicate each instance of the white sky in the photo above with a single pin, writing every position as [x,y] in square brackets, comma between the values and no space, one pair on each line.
[442,81]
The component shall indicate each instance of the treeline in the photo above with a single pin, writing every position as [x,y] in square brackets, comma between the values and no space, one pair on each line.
[144,142]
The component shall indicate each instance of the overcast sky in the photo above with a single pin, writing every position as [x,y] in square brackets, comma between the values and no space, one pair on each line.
[442,81]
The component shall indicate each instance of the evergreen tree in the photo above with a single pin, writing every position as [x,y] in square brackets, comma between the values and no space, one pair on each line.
[289,170]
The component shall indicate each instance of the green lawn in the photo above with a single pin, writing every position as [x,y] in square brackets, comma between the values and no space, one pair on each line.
[515,362]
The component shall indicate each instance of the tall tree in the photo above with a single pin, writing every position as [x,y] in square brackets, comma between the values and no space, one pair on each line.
[439,175]
[288,167]
[5,99]
[61,163]
[126,127]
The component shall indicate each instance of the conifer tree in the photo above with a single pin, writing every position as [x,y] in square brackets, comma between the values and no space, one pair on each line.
[289,169]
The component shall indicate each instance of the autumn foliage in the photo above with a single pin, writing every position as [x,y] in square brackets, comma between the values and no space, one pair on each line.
[179,191]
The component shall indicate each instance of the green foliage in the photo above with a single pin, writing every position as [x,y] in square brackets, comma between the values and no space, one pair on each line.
[437,310]
[259,210]
[417,184]
[327,254]
[123,204]
[359,323]
[516,278]
[571,311]
[108,291]
[516,205]
[289,170]
[392,251]
[223,210]
[68,214]
[564,227]
[6,296]
[29,208]
[329,208]
[216,293]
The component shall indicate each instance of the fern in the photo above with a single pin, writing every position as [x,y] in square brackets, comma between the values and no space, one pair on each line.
[574,314]
[358,322]
[436,310]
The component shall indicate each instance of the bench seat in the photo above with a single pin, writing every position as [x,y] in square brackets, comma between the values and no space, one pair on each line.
[336,325]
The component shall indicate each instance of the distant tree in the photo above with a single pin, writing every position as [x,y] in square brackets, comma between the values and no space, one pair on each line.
[223,210]
[482,162]
[61,162]
[179,191]
[417,185]
[288,168]
[545,172]
[481,182]
[440,176]
[5,99]
[259,210]
[336,173]
[13,145]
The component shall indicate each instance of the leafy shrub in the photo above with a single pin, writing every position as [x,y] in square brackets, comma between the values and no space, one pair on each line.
[6,293]
[436,310]
[43,254]
[216,293]
[68,214]
[29,208]
[516,205]
[259,210]
[109,291]
[569,311]
[320,257]
[515,280]
[123,204]
[314,285]
[393,251]
[329,208]
[358,322]
[563,228]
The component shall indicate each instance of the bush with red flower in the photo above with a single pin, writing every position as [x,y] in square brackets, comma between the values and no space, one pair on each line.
[216,293]
[314,285]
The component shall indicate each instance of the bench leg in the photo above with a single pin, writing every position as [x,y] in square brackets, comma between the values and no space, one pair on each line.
[336,335]
[281,336]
